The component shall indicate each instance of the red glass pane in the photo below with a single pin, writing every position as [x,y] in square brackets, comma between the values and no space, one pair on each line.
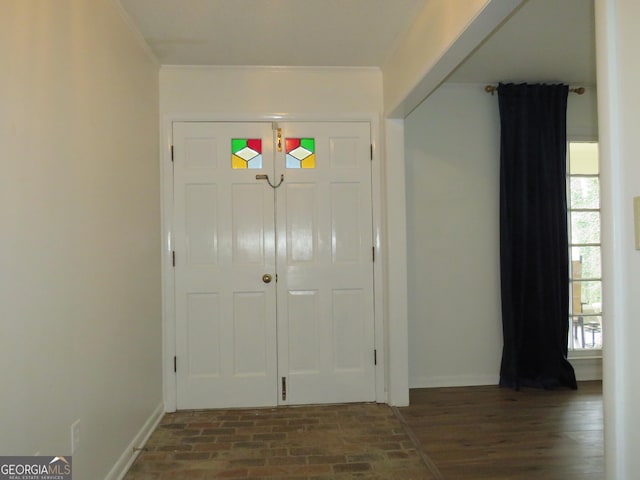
[292,144]
[255,144]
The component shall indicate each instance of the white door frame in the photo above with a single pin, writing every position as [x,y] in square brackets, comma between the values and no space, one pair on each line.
[166,192]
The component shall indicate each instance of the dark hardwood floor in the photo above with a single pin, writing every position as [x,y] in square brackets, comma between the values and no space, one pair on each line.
[496,433]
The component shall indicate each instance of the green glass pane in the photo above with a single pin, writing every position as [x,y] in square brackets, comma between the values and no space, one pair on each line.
[238,144]
[589,259]
[585,192]
[585,227]
[309,144]
[583,158]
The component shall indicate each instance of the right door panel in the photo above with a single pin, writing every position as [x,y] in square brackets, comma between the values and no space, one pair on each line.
[324,263]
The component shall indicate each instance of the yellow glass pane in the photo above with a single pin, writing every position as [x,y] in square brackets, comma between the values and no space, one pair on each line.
[309,162]
[237,162]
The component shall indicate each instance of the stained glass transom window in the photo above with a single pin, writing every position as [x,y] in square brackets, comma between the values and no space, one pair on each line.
[246,153]
[301,153]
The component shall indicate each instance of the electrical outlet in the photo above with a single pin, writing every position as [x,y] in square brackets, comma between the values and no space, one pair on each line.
[75,436]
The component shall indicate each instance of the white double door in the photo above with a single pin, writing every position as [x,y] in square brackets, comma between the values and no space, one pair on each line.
[273,286]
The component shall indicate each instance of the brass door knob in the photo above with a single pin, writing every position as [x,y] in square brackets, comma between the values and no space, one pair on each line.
[266,278]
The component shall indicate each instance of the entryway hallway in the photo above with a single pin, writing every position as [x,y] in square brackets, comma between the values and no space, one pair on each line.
[317,442]
[467,433]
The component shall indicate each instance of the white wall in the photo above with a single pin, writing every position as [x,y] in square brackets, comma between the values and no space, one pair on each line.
[242,93]
[258,91]
[79,242]
[452,145]
[619,104]
[452,175]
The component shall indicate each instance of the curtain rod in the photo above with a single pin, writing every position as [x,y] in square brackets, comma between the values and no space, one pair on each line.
[493,89]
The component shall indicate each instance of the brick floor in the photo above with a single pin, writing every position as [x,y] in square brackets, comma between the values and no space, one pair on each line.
[363,441]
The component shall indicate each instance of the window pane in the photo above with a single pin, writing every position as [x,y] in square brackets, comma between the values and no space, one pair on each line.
[589,259]
[583,158]
[585,227]
[585,192]
[590,297]
[585,292]
[586,332]
[592,332]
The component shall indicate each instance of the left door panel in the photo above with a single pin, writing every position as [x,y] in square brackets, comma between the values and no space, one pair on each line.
[224,244]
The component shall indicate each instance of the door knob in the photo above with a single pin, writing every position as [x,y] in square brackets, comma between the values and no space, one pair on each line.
[266,278]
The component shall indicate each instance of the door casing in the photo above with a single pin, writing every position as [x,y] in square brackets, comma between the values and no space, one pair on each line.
[168,286]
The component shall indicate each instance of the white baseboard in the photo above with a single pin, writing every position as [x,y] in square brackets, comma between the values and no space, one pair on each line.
[127,458]
[453,381]
[587,368]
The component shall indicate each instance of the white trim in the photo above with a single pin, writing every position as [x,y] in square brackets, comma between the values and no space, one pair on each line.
[614,260]
[587,368]
[168,302]
[454,381]
[582,353]
[395,265]
[378,209]
[271,68]
[168,119]
[129,455]
[581,135]
[166,185]
[422,72]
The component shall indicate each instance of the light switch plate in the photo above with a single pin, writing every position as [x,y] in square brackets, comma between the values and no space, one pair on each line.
[636,220]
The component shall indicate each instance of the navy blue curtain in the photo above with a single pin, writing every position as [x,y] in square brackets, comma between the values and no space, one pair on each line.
[534,252]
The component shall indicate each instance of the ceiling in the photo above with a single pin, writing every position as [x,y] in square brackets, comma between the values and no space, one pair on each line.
[545,40]
[360,33]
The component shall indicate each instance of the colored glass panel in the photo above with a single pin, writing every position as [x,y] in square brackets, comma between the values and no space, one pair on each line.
[246,153]
[309,162]
[292,162]
[309,144]
[300,153]
[255,162]
[238,144]
[255,144]
[237,162]
[292,144]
